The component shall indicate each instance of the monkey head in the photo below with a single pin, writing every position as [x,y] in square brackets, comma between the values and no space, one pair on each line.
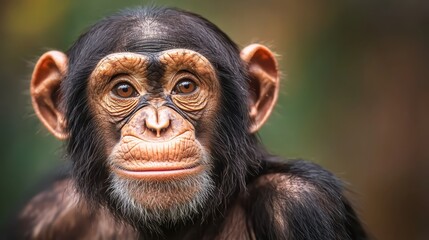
[159,111]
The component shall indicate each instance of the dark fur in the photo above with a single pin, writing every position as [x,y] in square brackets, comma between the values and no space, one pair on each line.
[247,177]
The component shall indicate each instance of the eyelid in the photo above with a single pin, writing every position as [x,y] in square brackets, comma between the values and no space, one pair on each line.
[120,77]
[124,78]
[185,75]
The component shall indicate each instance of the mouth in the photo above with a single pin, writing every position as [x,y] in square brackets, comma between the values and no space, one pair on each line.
[158,172]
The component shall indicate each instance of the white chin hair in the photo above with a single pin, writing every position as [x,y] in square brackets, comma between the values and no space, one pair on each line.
[162,201]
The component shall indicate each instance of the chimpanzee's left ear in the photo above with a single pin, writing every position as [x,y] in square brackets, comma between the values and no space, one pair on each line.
[264,83]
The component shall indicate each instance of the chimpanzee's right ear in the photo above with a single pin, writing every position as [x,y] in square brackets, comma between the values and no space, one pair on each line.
[45,91]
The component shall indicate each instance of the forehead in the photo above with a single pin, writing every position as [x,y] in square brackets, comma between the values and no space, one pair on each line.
[149,33]
[170,30]
[151,28]
[173,58]
[150,36]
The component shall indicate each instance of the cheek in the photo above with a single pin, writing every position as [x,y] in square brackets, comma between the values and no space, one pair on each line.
[105,127]
[112,139]
[206,129]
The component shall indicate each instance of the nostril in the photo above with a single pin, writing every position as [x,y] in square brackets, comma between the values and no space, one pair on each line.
[157,126]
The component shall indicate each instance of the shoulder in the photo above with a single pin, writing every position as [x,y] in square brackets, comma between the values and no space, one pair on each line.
[46,208]
[59,212]
[295,177]
[298,200]
[295,186]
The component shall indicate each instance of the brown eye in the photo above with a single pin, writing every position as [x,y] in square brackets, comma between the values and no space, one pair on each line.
[124,90]
[184,87]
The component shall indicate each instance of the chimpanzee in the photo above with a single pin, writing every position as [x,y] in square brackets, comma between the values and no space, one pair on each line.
[159,110]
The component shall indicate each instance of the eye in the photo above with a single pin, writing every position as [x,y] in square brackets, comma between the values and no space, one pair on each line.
[124,90]
[185,86]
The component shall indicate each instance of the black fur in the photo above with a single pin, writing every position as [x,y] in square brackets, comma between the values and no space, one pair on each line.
[320,213]
[239,159]
[237,153]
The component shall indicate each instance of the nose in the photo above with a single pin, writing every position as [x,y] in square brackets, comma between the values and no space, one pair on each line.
[157,121]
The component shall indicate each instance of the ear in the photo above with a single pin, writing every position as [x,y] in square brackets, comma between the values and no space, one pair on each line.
[45,91]
[264,83]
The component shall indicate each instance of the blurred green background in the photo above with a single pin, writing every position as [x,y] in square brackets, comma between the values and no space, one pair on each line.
[354,94]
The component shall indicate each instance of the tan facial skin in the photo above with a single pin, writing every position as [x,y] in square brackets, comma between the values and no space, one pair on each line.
[157,143]
[157,148]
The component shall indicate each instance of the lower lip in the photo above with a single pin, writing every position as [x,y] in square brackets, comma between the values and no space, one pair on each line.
[158,175]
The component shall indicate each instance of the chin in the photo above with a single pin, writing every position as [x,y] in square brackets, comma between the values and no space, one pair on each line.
[161,199]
